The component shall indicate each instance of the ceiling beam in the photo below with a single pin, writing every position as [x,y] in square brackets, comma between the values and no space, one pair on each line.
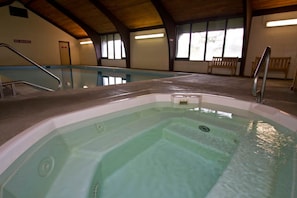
[122,29]
[94,36]
[170,28]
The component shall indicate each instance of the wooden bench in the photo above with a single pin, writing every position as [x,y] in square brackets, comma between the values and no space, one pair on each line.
[277,64]
[223,62]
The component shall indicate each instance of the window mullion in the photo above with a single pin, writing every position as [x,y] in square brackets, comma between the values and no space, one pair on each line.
[120,47]
[225,33]
[106,36]
[206,37]
[190,40]
[114,55]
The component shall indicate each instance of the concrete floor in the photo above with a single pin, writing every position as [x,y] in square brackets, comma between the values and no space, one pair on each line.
[21,112]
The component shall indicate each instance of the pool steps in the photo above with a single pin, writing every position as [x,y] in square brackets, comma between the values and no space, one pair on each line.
[204,144]
[183,135]
[94,136]
[81,150]
[255,175]
[239,178]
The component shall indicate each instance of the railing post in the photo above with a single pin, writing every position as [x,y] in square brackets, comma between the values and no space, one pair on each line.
[1,89]
[260,93]
[34,63]
[267,58]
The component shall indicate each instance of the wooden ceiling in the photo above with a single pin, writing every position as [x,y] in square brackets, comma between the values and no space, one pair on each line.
[79,17]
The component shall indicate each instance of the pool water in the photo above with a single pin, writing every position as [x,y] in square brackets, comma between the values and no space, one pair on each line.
[159,150]
[75,77]
[165,169]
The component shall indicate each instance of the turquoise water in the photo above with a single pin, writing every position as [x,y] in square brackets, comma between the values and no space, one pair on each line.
[163,170]
[74,77]
[159,150]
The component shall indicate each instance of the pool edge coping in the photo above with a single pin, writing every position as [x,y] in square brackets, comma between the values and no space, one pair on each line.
[16,146]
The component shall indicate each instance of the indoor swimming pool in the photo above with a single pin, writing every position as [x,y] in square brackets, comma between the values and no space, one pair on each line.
[75,77]
[156,145]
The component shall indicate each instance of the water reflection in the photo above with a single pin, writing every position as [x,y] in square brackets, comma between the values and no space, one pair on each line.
[219,114]
[269,139]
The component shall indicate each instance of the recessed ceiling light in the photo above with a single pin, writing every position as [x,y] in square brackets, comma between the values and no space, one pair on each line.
[149,36]
[85,42]
[281,23]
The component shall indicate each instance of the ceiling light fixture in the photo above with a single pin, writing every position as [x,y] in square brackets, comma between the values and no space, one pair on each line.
[149,36]
[281,23]
[85,42]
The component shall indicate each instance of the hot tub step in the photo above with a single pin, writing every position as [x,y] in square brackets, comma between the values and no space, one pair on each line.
[226,130]
[69,181]
[248,173]
[204,143]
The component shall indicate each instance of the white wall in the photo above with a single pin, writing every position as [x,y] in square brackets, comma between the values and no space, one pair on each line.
[200,67]
[282,41]
[88,57]
[44,37]
[149,53]
[114,63]
[87,54]
[145,54]
[190,66]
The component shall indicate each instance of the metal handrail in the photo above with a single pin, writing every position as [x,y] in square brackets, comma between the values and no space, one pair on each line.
[27,83]
[259,93]
[34,63]
[13,87]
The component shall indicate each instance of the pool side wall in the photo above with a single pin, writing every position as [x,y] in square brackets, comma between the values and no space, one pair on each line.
[16,146]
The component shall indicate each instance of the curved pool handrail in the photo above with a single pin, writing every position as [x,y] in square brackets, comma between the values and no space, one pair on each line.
[33,62]
[259,93]
[27,83]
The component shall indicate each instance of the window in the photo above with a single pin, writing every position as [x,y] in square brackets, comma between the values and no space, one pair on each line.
[112,46]
[183,40]
[117,46]
[198,37]
[201,41]
[234,35]
[104,46]
[112,80]
[215,39]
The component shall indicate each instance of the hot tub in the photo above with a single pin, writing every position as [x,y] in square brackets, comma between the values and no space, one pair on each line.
[157,145]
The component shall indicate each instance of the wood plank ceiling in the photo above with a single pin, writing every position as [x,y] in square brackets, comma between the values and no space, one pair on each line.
[74,16]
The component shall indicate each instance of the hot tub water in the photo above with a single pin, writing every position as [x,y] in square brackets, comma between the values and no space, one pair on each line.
[159,150]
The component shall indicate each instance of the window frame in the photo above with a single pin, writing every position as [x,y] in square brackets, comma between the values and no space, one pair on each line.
[191,44]
[105,37]
[112,80]
[226,21]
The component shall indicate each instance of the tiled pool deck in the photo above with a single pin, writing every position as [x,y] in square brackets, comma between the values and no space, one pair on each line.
[21,112]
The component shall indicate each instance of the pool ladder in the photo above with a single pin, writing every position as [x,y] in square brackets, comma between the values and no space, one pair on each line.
[12,84]
[259,93]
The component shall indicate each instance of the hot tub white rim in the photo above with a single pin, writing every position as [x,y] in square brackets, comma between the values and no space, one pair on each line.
[16,146]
